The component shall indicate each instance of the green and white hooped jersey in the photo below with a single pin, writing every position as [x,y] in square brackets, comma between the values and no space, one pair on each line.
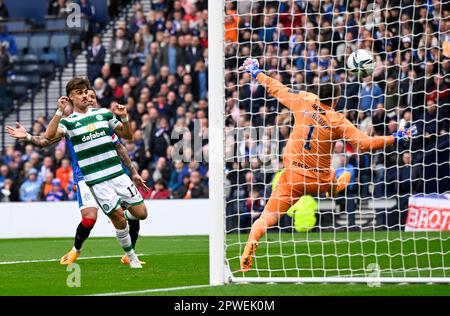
[93,145]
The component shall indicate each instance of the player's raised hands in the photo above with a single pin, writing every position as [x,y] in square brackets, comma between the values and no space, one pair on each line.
[119,110]
[405,134]
[19,132]
[251,65]
[63,102]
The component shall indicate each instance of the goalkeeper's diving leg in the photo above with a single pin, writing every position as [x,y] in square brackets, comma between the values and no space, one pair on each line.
[288,191]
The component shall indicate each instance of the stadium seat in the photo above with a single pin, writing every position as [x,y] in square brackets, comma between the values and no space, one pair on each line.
[55,24]
[21,42]
[59,43]
[18,25]
[19,91]
[49,57]
[46,69]
[39,42]
[30,58]
[26,68]
[34,81]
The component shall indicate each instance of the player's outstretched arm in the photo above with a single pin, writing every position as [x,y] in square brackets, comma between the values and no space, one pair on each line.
[123,155]
[275,88]
[53,130]
[19,132]
[122,129]
[364,142]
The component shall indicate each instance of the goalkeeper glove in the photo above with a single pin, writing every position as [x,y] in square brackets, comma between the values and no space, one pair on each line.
[404,134]
[251,66]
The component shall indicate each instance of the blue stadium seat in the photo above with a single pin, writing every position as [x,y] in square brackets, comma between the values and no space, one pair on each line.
[24,69]
[59,43]
[39,41]
[19,25]
[21,41]
[46,70]
[19,91]
[30,58]
[34,80]
[49,57]
[55,24]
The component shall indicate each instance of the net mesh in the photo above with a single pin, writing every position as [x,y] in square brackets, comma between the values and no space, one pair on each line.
[304,44]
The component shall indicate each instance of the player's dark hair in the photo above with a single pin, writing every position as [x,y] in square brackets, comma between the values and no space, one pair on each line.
[328,91]
[77,83]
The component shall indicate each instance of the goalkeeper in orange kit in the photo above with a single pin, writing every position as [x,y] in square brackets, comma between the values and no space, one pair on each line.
[307,156]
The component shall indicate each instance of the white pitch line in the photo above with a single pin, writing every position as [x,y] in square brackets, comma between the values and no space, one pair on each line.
[57,260]
[168,289]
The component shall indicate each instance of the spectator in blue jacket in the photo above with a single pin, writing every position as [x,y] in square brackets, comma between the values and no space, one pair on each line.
[56,194]
[176,178]
[7,38]
[370,95]
[29,190]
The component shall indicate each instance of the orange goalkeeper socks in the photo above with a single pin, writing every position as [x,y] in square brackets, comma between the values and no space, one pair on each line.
[267,219]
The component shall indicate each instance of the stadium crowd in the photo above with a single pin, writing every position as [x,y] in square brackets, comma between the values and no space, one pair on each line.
[158,69]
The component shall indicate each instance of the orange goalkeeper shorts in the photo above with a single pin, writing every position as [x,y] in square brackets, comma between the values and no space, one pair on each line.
[291,186]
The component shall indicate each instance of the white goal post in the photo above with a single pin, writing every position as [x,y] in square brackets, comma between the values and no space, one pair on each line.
[374,232]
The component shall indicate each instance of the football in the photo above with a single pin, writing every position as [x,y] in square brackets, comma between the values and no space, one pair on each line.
[361,63]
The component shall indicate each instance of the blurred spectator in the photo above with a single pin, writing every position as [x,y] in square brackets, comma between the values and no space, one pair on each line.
[146,177]
[7,191]
[5,67]
[46,186]
[137,55]
[29,190]
[104,93]
[88,10]
[192,187]
[200,81]
[159,190]
[152,59]
[254,206]
[7,40]
[370,95]
[96,54]
[71,191]
[119,50]
[56,194]
[171,55]
[57,7]
[4,13]
[64,173]
[392,94]
[161,171]
[194,52]
[47,166]
[160,139]
[176,178]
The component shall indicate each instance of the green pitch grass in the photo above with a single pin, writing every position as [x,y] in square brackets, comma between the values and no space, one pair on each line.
[175,265]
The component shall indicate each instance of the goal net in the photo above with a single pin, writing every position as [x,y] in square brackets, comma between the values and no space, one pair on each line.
[391,223]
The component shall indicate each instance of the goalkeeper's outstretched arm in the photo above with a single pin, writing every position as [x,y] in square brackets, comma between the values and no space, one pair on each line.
[364,142]
[293,100]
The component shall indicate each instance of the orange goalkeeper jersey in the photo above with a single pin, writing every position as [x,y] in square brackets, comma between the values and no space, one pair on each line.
[316,129]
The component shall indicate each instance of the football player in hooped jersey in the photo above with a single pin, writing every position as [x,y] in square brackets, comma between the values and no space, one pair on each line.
[88,130]
[88,207]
